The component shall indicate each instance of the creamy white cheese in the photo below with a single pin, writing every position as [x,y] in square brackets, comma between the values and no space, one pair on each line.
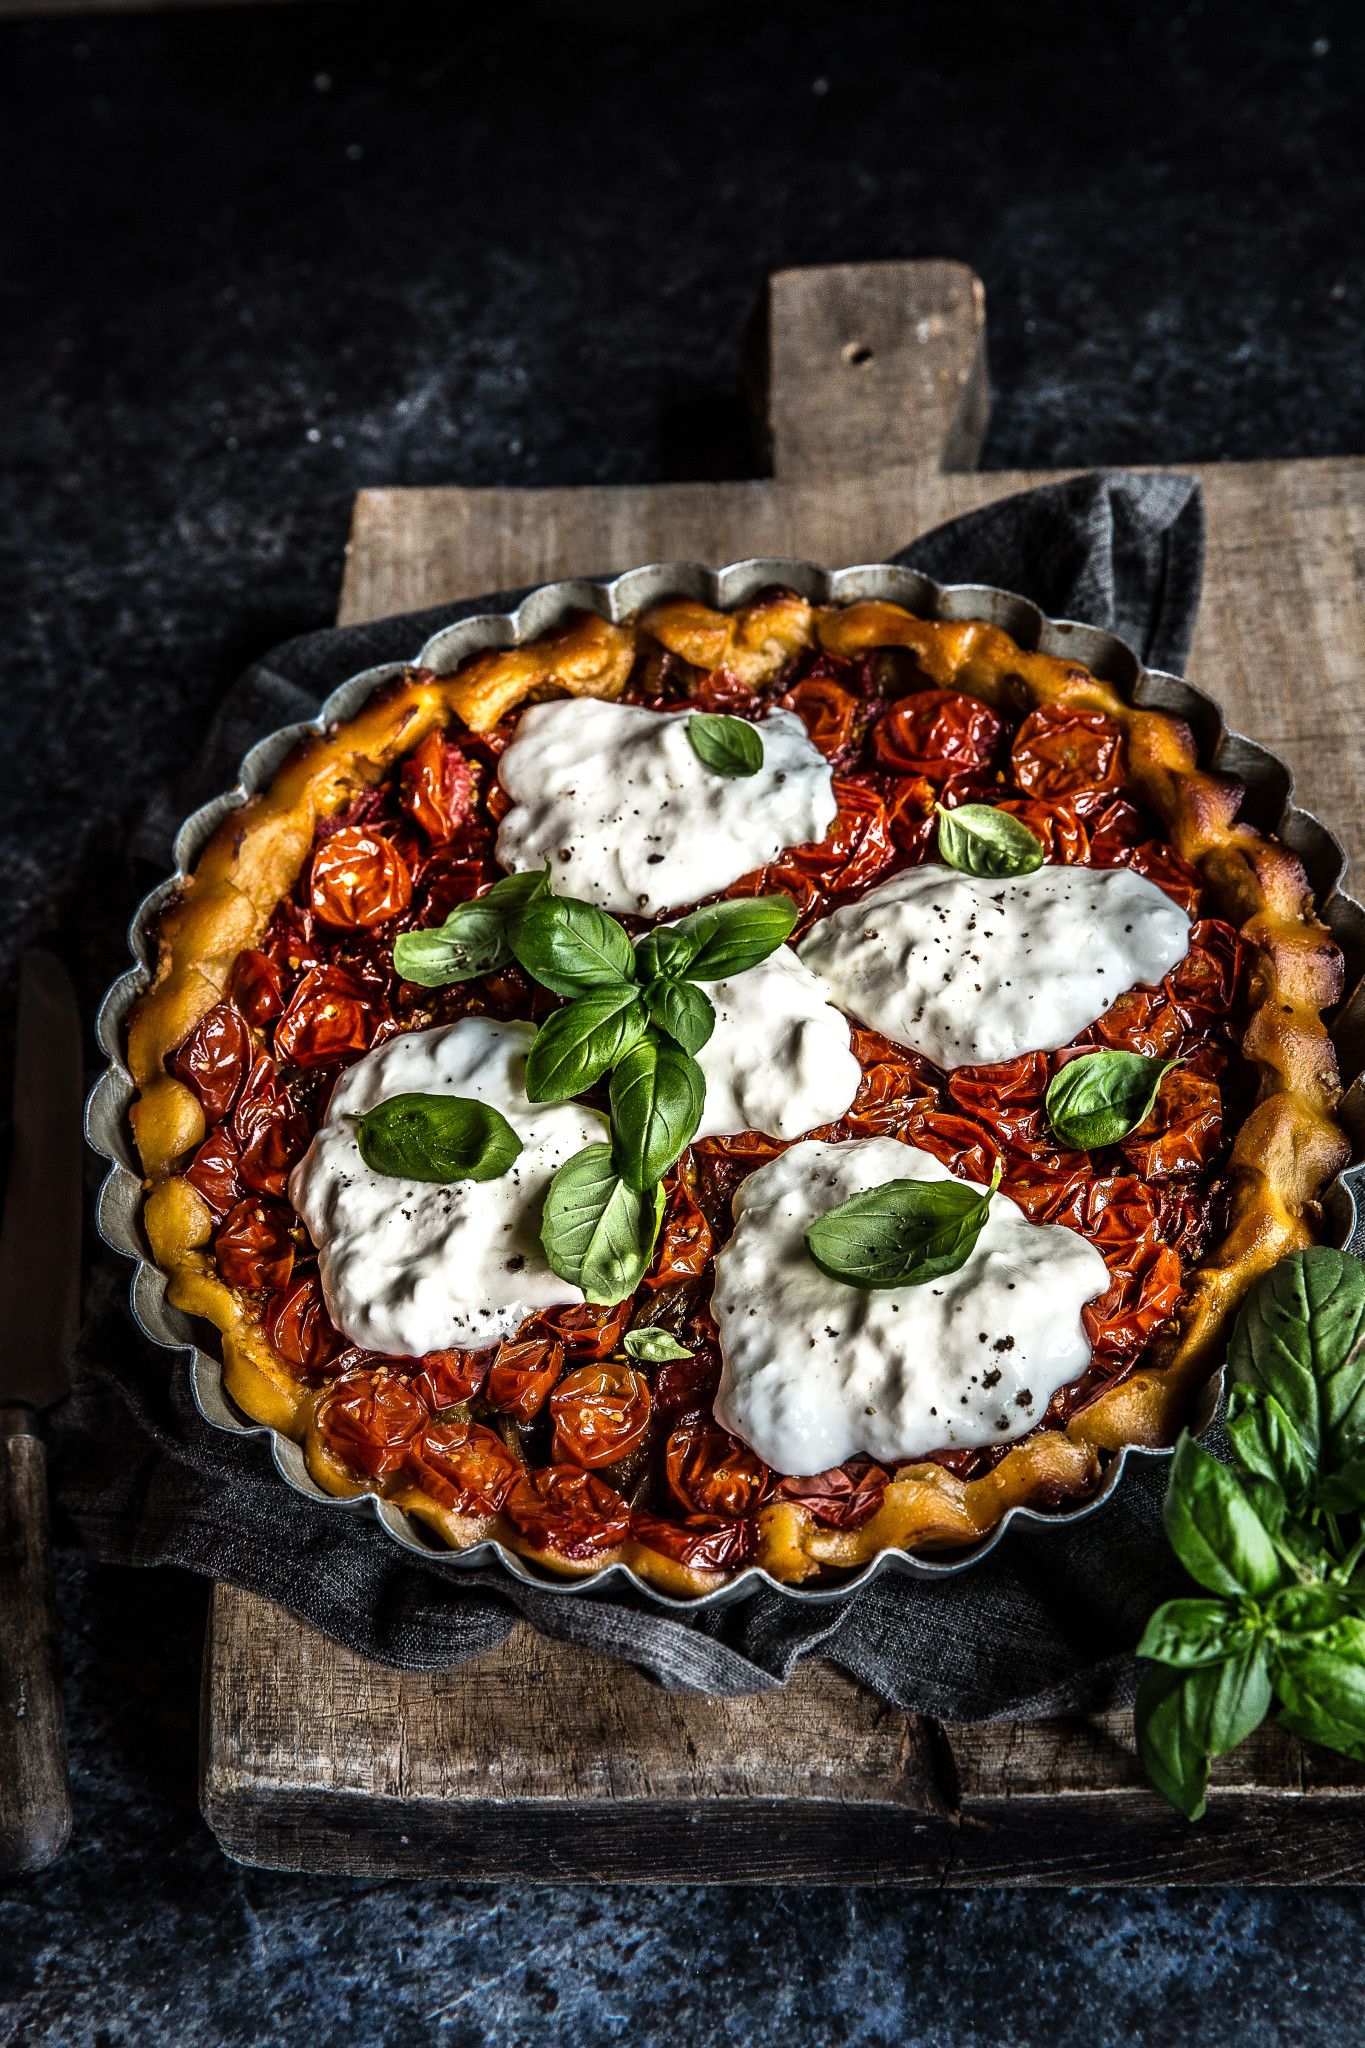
[815,1370]
[968,971]
[779,1059]
[630,818]
[414,1266]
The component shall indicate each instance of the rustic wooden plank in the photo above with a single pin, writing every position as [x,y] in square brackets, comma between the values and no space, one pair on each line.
[35,1797]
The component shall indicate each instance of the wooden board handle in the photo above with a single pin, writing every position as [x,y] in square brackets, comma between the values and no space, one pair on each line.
[35,1797]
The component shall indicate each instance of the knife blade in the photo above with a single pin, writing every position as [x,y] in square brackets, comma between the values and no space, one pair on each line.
[40,1273]
[40,1236]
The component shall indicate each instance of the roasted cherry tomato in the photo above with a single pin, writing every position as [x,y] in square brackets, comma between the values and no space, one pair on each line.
[1169,870]
[708,1543]
[1114,831]
[437,787]
[911,814]
[585,1331]
[938,733]
[213,1172]
[255,1247]
[1184,1131]
[711,1472]
[329,1018]
[830,714]
[682,1384]
[214,1059]
[1144,1290]
[292,942]
[1058,750]
[1142,1020]
[449,1377]
[369,1419]
[1056,826]
[358,878]
[963,1146]
[522,1375]
[685,1242]
[1007,1097]
[1206,984]
[600,1413]
[271,1135]
[567,1510]
[465,1467]
[298,1327]
[843,1498]
[257,987]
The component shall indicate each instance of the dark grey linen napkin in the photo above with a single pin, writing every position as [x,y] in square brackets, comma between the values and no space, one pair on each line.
[1044,1625]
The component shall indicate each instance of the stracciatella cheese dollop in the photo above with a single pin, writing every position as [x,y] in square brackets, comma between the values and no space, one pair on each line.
[816,1370]
[631,819]
[968,971]
[780,1058]
[412,1266]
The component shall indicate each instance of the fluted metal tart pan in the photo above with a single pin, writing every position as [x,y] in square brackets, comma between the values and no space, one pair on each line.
[1269,804]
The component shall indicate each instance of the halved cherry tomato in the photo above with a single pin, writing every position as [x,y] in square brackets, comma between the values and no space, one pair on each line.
[437,787]
[522,1375]
[449,1377]
[567,1510]
[369,1419]
[1184,1131]
[213,1172]
[257,987]
[600,1412]
[358,877]
[939,733]
[843,1498]
[214,1059]
[255,1246]
[465,1467]
[829,713]
[298,1327]
[711,1472]
[329,1018]
[708,1543]
[1058,750]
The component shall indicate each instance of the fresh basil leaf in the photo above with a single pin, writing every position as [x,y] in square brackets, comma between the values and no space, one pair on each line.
[1321,1689]
[980,840]
[1266,1442]
[680,1009]
[1213,1528]
[1188,1633]
[901,1233]
[653,1346]
[723,939]
[1102,1097]
[1267,1498]
[1185,1717]
[657,1095]
[571,947]
[1343,1491]
[436,1138]
[1308,1611]
[473,939]
[597,1232]
[1297,1338]
[575,1047]
[729,746]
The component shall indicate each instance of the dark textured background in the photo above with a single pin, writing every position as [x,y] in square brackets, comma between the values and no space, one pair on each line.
[253,259]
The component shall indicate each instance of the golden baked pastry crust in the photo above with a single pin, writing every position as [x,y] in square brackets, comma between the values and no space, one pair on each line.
[1285,1153]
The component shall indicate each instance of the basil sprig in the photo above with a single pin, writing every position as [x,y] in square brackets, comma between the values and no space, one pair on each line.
[1277,1541]
[901,1233]
[437,1138]
[474,938]
[980,840]
[1102,1097]
[597,1231]
[654,1346]
[728,746]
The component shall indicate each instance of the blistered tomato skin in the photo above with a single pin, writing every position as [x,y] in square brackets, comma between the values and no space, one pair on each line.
[564,1509]
[358,878]
[521,1377]
[464,1466]
[299,1329]
[329,1019]
[711,1472]
[369,1420]
[255,1246]
[843,1498]
[257,988]
[1058,751]
[449,1377]
[437,788]
[939,733]
[705,1543]
[214,1060]
[601,1413]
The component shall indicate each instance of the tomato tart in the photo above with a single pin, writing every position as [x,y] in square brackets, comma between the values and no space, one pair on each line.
[980,1044]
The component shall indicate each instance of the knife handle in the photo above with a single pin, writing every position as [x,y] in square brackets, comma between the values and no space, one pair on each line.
[35,1796]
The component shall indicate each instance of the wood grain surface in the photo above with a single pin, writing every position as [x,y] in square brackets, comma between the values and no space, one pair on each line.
[542,1760]
[35,1798]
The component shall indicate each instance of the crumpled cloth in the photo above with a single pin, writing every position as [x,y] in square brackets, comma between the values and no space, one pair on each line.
[1044,1625]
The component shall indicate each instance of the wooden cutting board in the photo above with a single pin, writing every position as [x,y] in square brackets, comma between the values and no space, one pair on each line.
[542,1761]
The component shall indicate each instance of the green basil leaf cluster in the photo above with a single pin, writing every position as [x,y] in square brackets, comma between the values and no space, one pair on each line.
[474,938]
[980,840]
[1103,1096]
[437,1138]
[1277,1541]
[639,1016]
[901,1233]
